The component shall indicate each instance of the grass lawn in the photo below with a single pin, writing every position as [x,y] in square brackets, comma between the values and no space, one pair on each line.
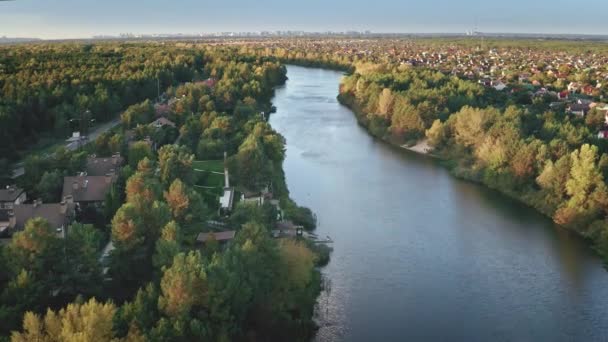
[207,177]
[209,165]
[209,184]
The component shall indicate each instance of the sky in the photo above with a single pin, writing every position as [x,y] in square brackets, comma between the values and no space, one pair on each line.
[53,19]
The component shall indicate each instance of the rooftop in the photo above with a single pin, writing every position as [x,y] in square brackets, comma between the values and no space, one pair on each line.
[227,198]
[57,214]
[101,166]
[86,188]
[10,193]
[219,236]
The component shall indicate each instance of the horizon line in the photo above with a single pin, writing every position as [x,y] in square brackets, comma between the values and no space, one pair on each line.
[299,33]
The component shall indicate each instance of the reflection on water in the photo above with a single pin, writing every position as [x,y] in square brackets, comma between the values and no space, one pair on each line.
[420,255]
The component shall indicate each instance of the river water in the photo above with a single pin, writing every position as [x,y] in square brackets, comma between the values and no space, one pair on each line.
[420,255]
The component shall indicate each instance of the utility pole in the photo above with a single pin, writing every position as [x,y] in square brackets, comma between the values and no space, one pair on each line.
[158,87]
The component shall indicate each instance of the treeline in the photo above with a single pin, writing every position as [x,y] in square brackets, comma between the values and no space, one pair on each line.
[47,89]
[157,284]
[547,159]
[318,57]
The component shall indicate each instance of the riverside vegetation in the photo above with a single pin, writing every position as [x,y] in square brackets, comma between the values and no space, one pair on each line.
[156,284]
[547,159]
[521,140]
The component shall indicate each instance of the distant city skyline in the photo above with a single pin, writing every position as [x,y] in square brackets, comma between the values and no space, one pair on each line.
[86,18]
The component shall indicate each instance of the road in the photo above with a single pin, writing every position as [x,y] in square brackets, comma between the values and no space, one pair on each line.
[19,169]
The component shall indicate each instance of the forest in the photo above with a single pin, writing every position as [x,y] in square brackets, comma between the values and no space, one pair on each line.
[49,90]
[156,283]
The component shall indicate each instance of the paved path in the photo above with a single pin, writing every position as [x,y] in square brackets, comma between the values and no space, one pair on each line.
[19,169]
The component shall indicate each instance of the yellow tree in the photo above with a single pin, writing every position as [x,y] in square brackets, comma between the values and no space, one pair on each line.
[298,262]
[184,285]
[385,103]
[91,321]
[177,199]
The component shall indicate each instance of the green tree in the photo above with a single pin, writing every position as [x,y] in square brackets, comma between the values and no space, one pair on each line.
[175,162]
[50,185]
[168,246]
[140,113]
[138,151]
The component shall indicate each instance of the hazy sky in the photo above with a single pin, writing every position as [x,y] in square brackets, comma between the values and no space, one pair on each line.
[84,18]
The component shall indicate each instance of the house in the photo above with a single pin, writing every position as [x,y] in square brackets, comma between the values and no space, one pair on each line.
[221,237]
[524,77]
[59,215]
[161,122]
[585,102]
[499,85]
[85,189]
[10,196]
[563,95]
[578,109]
[258,198]
[573,87]
[102,166]
[252,197]
[485,82]
[287,229]
[588,90]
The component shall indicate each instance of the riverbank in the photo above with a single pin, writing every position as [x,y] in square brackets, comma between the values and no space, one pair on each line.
[421,147]
[454,251]
[457,169]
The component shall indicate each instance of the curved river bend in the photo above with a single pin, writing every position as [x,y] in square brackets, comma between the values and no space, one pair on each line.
[420,255]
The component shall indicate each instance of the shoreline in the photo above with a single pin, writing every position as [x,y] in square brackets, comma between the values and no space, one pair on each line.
[421,148]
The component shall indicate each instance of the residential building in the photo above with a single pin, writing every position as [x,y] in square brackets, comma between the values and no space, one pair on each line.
[102,166]
[11,196]
[221,237]
[498,85]
[161,122]
[578,109]
[59,215]
[85,189]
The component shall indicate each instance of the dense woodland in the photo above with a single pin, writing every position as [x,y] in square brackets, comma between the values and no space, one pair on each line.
[156,284]
[43,87]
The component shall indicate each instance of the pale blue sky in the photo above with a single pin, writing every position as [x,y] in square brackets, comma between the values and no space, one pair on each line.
[84,18]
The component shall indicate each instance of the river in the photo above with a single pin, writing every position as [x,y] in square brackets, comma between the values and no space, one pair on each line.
[418,254]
